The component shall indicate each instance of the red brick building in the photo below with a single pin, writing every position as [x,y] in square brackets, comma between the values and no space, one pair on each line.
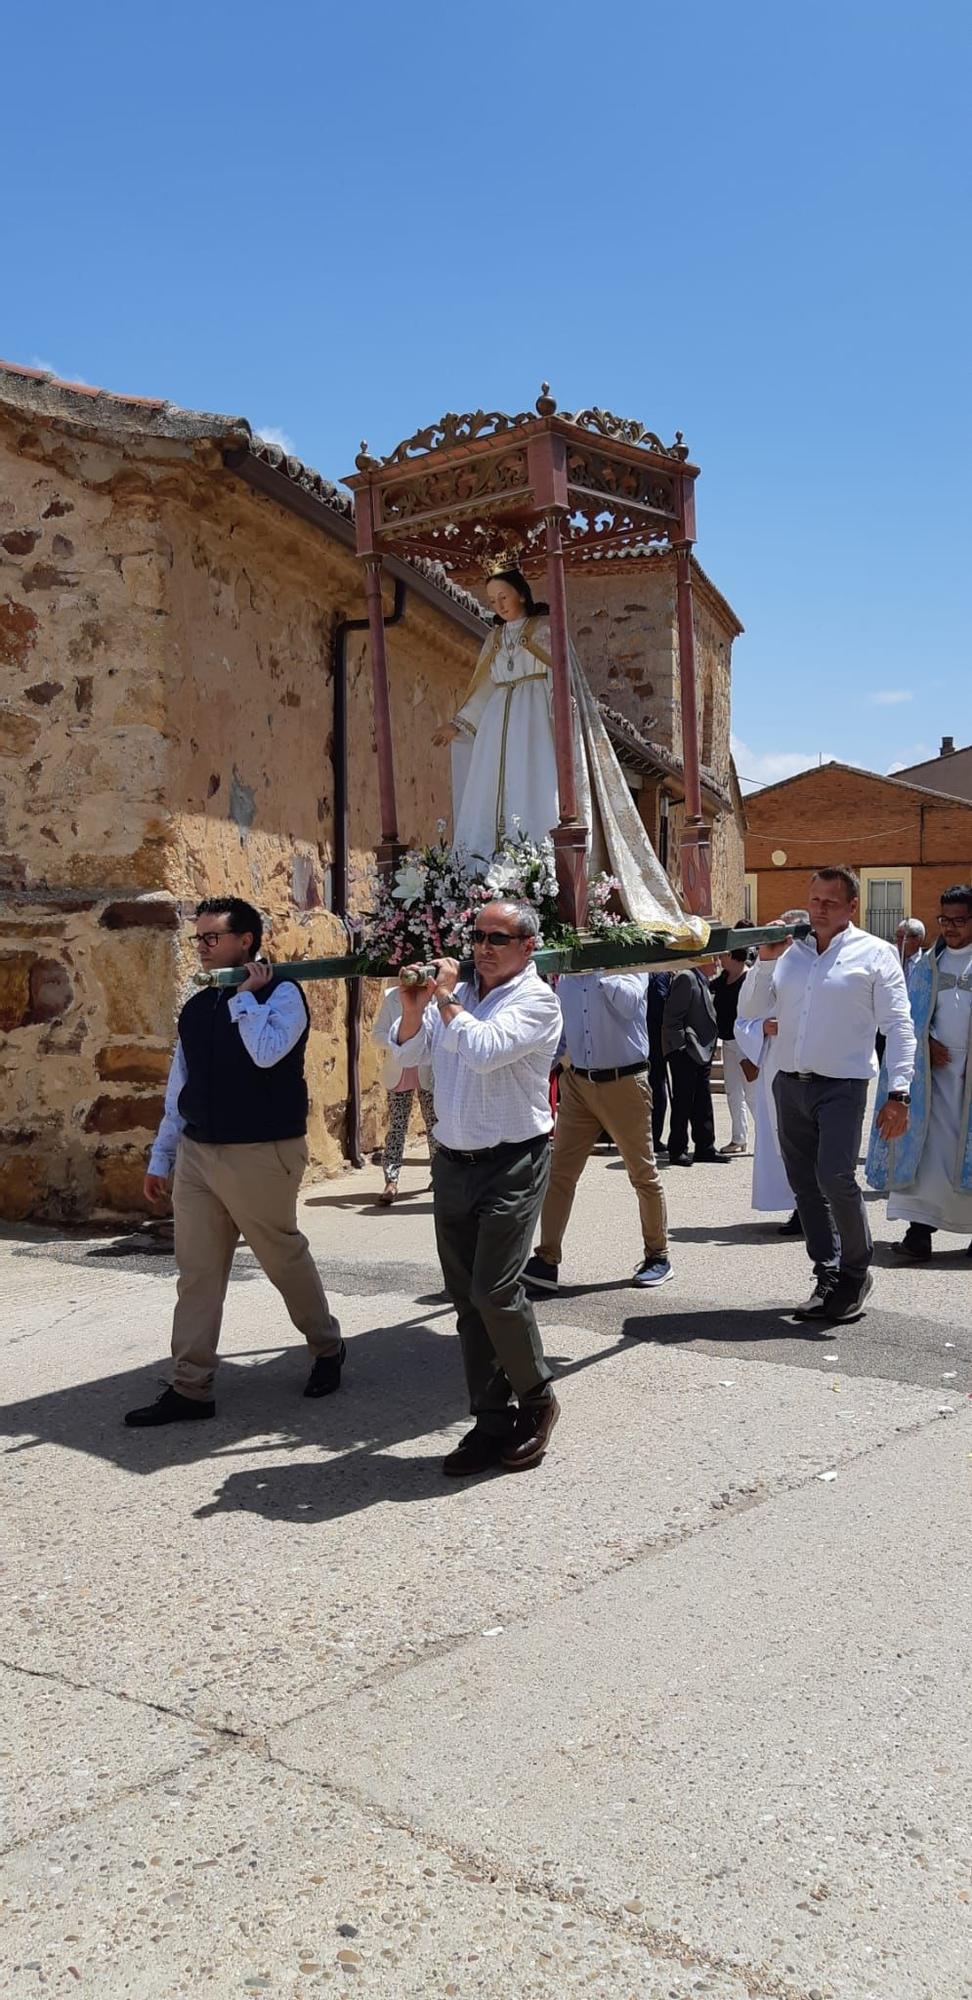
[906,842]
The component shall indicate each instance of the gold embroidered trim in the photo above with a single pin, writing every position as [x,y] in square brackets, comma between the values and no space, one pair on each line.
[509,691]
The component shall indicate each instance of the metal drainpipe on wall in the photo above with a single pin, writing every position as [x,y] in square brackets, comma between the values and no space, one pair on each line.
[339,877]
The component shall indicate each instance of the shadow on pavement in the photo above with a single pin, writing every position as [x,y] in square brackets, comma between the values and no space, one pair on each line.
[407,1203]
[725,1325]
[400,1382]
[726,1232]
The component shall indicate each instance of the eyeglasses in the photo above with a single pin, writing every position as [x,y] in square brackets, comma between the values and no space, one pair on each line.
[211,937]
[960,917]
[497,937]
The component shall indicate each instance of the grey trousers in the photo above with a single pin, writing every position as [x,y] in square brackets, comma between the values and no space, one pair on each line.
[820,1120]
[485,1214]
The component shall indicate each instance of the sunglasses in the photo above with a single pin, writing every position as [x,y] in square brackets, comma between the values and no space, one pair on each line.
[497,937]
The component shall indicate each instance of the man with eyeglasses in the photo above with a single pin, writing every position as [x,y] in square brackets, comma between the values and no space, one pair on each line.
[232,1148]
[928,1169]
[492,1041]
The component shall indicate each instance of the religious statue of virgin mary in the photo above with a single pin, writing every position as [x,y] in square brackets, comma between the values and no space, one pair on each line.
[504,766]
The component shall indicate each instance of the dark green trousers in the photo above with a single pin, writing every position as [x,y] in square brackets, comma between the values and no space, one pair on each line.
[486,1212]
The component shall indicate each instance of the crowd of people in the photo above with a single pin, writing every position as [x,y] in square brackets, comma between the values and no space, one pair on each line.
[803,1026]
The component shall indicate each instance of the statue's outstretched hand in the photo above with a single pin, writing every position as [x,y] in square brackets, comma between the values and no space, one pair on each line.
[447,734]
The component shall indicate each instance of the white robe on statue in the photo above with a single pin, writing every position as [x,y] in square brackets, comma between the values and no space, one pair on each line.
[504,775]
[771,1189]
[934,1199]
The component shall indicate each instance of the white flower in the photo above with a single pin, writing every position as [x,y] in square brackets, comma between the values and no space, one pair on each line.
[502,875]
[409,883]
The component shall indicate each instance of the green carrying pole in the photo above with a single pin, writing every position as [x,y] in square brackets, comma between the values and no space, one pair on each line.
[594,955]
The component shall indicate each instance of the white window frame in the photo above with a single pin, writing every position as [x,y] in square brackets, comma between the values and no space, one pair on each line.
[892,872]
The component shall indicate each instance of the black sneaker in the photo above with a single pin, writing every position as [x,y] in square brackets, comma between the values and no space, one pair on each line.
[848,1298]
[916,1243]
[478,1451]
[545,1277]
[325,1376]
[816,1305]
[170,1408]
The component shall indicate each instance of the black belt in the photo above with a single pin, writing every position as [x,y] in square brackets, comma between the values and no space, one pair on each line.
[504,1151]
[799,1075]
[610,1075]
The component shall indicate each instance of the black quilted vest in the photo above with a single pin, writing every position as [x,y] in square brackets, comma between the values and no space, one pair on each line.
[227,1100]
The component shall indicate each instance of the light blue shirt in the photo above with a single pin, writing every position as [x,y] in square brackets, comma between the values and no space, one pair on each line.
[605,1020]
[268,1030]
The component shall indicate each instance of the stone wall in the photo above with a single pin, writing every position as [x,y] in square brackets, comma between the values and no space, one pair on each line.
[166,709]
[623,623]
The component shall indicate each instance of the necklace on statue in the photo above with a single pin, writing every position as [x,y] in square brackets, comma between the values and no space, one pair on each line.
[509,647]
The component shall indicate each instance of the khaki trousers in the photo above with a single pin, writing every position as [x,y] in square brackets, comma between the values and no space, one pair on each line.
[221,1193]
[585,1109]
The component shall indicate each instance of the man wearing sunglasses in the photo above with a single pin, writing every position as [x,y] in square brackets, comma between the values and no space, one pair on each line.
[233,1137]
[491,1042]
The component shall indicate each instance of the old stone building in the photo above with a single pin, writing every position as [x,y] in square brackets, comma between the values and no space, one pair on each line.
[170,637]
[185,708]
[624,625]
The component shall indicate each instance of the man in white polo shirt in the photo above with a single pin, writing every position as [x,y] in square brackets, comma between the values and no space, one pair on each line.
[832,992]
[492,1041]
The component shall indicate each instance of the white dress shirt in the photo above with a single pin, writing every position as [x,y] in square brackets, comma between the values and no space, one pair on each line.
[268,1030]
[605,1019]
[830,1005]
[490,1064]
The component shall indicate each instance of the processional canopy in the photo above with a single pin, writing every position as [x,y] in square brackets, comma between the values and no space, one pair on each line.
[472,491]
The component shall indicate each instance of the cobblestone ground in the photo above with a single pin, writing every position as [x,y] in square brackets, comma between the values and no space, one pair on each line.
[684,1711]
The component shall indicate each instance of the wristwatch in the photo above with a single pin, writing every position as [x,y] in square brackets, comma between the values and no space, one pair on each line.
[899,1097]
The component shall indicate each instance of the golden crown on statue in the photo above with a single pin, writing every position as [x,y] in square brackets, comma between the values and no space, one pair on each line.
[501,559]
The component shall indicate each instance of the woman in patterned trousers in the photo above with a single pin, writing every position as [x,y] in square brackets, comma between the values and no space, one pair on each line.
[400,1097]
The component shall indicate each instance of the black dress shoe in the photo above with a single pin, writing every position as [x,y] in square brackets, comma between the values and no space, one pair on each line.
[478,1451]
[916,1243]
[713,1159]
[534,1423]
[325,1376]
[791,1227]
[170,1408]
[537,1272]
[680,1160]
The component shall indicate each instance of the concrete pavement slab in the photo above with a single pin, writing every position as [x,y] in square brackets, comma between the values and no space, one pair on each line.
[67,1749]
[246,1569]
[294,1560]
[245,1879]
[763,1732]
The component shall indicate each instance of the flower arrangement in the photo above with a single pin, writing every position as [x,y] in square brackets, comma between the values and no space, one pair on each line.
[428,909]
[523,869]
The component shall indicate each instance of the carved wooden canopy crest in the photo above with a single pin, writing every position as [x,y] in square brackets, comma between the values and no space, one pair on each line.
[458,489]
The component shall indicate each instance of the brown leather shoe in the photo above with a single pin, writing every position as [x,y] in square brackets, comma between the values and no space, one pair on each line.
[534,1423]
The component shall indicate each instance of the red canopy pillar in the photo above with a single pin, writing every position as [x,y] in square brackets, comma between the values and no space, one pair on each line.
[390,848]
[548,465]
[696,871]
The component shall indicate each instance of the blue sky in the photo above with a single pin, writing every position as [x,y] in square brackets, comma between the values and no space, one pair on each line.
[749,223]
